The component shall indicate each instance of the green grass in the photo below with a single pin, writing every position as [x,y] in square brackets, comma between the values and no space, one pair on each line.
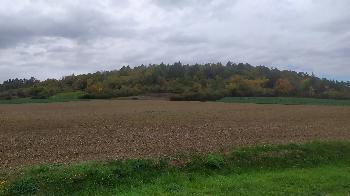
[60,97]
[324,180]
[316,168]
[285,101]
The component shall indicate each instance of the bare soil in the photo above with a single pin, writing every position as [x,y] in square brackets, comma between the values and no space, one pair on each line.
[104,130]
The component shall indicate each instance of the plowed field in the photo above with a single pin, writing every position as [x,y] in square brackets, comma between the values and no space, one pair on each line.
[102,130]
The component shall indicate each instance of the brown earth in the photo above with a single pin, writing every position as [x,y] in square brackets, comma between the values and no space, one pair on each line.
[102,130]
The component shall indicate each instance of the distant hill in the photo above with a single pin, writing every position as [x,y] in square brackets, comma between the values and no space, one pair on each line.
[210,81]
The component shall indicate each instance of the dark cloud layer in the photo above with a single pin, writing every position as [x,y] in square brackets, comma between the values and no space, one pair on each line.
[54,38]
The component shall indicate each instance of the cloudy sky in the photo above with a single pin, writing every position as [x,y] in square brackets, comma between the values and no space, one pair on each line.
[50,38]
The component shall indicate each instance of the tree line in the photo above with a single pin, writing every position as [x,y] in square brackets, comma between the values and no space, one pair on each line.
[209,81]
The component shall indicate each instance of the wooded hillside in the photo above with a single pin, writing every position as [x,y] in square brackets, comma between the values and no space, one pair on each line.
[184,82]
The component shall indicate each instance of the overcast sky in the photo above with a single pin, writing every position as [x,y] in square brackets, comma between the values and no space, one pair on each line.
[51,38]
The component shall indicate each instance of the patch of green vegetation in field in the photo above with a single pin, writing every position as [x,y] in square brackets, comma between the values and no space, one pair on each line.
[60,97]
[317,168]
[67,96]
[285,101]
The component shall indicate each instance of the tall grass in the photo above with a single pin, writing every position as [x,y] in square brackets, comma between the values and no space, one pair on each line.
[133,176]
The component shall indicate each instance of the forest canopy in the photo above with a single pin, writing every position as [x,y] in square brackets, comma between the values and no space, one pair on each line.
[210,81]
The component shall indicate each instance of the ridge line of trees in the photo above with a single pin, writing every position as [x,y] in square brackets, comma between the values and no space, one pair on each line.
[209,81]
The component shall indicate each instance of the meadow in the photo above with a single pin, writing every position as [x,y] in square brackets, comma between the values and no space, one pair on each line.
[77,96]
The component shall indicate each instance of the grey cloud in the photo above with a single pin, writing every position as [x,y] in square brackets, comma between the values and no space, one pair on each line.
[184,39]
[180,3]
[54,38]
[73,23]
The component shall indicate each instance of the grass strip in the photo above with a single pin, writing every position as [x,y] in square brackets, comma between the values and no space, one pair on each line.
[274,169]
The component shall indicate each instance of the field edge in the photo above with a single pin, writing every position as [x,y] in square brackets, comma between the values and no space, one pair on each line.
[123,175]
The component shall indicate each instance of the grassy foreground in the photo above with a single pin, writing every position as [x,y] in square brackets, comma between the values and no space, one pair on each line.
[316,168]
[285,101]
